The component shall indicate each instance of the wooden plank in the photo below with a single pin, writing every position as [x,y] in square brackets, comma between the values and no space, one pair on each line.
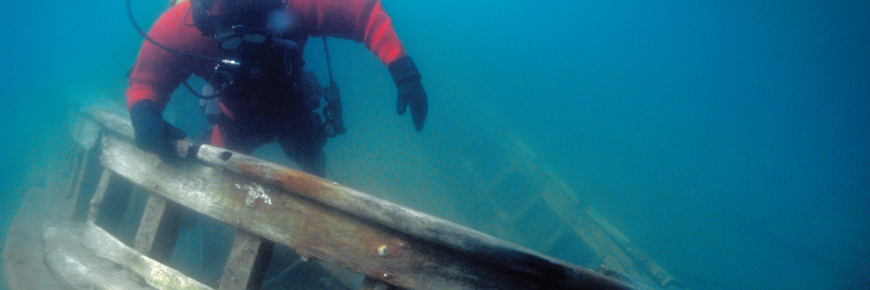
[85,131]
[323,220]
[87,184]
[88,257]
[114,122]
[246,263]
[99,195]
[468,243]
[520,158]
[149,223]
[158,229]
[612,247]
[617,252]
[661,276]
[79,164]
[167,234]
[115,196]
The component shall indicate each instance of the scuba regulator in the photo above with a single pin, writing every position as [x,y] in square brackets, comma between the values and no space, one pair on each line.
[252,45]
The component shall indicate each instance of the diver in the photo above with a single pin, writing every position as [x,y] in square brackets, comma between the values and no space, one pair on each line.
[250,53]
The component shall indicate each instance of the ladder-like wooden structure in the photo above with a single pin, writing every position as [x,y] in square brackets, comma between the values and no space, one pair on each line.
[392,246]
[533,206]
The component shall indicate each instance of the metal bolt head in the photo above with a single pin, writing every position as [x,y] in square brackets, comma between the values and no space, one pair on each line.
[383,251]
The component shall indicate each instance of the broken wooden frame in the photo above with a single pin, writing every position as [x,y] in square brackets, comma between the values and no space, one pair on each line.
[319,219]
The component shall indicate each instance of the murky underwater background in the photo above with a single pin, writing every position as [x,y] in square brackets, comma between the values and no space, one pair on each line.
[728,140]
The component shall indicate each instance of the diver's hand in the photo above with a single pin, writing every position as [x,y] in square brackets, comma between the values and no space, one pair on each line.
[410,89]
[153,134]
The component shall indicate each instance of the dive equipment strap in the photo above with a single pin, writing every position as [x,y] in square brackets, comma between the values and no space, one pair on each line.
[333,126]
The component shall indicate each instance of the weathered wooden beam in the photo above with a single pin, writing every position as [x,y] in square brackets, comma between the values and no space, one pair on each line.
[86,184]
[658,273]
[322,220]
[78,170]
[158,229]
[149,224]
[111,121]
[466,243]
[88,257]
[109,203]
[102,186]
[247,262]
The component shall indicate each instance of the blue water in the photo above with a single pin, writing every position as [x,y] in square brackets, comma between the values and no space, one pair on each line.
[728,140]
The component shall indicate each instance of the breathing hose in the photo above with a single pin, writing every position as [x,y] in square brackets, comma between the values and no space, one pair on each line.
[179,52]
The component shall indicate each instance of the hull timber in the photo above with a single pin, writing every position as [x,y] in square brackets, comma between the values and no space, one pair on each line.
[392,246]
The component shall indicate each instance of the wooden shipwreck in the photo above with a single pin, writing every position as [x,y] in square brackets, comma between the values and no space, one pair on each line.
[391,246]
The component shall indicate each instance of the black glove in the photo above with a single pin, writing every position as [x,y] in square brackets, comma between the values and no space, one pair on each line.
[153,134]
[411,92]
